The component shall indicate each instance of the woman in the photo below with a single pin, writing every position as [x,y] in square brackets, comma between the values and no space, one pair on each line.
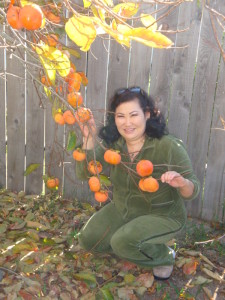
[136,225]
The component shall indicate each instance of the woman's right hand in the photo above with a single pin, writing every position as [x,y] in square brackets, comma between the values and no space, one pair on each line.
[88,130]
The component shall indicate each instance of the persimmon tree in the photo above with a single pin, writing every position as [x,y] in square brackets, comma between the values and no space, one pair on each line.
[37,27]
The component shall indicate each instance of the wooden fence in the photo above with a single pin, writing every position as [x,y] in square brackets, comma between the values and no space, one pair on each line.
[187,82]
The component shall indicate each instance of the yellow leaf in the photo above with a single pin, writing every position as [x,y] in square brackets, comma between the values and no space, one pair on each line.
[87,3]
[149,21]
[108,2]
[49,69]
[127,10]
[60,60]
[81,31]
[148,37]
[98,13]
[119,37]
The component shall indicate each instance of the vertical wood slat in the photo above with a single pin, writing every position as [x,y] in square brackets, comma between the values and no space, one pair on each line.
[15,122]
[214,194]
[161,73]
[2,121]
[73,188]
[184,69]
[140,60]
[54,136]
[34,137]
[117,68]
[202,105]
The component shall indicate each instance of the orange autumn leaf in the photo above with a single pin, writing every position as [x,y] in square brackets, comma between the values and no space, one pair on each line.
[190,267]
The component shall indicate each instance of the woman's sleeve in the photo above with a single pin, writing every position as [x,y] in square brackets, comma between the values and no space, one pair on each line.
[181,163]
[96,154]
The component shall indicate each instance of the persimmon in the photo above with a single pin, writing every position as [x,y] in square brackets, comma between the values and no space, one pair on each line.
[79,154]
[101,196]
[13,17]
[31,17]
[94,167]
[141,185]
[83,114]
[75,99]
[69,117]
[112,157]
[144,168]
[59,119]
[45,80]
[72,71]
[150,184]
[94,184]
[52,183]
[74,82]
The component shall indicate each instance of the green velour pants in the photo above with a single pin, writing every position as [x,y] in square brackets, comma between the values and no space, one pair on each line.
[140,240]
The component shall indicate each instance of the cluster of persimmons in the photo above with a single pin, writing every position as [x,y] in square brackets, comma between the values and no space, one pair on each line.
[144,169]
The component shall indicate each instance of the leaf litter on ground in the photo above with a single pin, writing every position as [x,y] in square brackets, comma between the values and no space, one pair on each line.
[40,258]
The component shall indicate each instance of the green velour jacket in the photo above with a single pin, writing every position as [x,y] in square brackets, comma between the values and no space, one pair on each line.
[167,154]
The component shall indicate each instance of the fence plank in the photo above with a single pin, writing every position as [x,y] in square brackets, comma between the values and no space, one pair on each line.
[34,137]
[184,69]
[117,68]
[140,58]
[202,105]
[2,121]
[15,122]
[54,138]
[214,194]
[162,66]
[73,188]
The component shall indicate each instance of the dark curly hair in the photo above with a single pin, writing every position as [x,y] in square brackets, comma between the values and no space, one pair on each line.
[155,125]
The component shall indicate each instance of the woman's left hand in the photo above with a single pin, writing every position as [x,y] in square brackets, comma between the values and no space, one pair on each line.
[174,179]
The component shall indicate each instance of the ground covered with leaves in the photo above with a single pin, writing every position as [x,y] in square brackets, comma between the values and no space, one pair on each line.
[40,257]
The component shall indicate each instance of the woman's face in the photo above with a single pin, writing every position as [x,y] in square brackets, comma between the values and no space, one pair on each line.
[131,120]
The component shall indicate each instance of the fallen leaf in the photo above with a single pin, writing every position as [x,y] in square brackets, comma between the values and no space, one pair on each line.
[190,267]
[125,293]
[192,253]
[213,275]
[182,260]
[207,261]
[200,280]
[145,280]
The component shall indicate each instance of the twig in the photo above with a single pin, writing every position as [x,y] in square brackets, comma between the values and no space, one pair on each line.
[212,240]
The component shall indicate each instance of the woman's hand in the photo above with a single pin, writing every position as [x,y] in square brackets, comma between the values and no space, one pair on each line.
[176,180]
[88,130]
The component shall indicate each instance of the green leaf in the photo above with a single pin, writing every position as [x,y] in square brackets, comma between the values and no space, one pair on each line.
[71,142]
[31,168]
[88,278]
[104,180]
[107,295]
